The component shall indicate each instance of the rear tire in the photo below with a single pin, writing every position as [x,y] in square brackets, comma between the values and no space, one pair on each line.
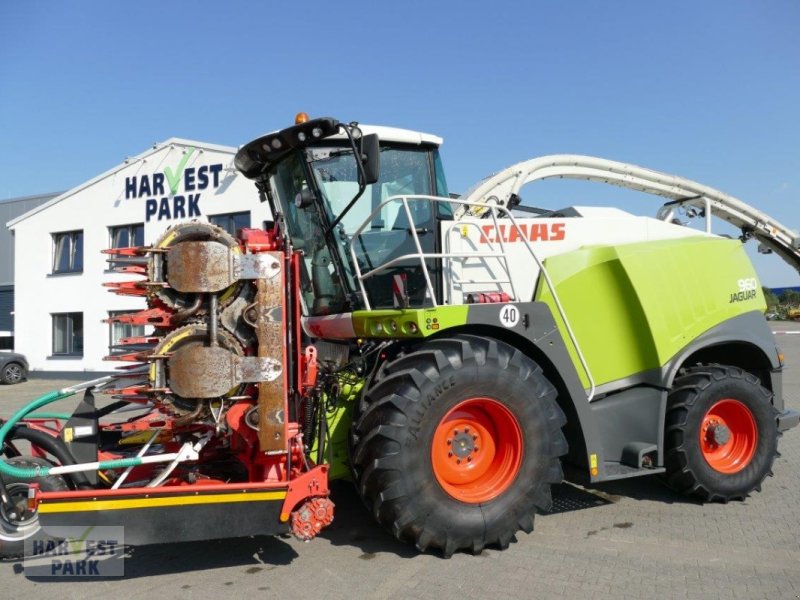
[721,433]
[494,408]
[15,530]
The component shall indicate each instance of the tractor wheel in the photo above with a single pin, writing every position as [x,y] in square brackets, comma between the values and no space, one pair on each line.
[19,524]
[721,433]
[458,445]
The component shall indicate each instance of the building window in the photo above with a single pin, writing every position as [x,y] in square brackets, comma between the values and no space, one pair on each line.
[68,252]
[68,334]
[118,331]
[231,222]
[127,236]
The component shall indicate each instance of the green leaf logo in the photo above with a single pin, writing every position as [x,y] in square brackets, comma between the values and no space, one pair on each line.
[76,545]
[174,179]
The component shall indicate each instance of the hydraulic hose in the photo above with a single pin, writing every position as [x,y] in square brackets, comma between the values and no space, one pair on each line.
[54,446]
[21,473]
[51,415]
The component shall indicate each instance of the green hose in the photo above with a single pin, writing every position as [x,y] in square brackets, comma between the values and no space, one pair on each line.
[20,473]
[51,415]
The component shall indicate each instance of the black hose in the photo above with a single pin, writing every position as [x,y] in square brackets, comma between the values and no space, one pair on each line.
[323,423]
[308,419]
[54,446]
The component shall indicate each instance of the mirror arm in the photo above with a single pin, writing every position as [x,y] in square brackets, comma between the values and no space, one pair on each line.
[362,180]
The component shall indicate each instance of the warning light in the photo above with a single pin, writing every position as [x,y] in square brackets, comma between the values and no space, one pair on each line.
[300,117]
[593,465]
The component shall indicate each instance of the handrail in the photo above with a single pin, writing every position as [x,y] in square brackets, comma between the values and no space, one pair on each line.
[422,256]
[501,256]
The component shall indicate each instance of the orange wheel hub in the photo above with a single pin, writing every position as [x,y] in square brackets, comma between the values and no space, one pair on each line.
[728,436]
[477,450]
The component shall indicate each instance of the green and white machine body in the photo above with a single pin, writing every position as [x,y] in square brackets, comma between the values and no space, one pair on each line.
[610,304]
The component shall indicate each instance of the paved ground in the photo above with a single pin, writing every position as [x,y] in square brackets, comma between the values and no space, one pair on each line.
[634,539]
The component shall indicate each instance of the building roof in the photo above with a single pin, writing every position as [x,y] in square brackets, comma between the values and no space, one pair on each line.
[11,208]
[174,141]
[34,198]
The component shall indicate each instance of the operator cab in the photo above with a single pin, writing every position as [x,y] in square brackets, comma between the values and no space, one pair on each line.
[328,182]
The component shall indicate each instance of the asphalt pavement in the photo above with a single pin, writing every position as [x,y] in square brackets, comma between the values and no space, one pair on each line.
[631,539]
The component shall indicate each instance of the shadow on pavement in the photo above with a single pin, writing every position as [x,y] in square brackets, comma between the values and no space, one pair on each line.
[650,488]
[353,526]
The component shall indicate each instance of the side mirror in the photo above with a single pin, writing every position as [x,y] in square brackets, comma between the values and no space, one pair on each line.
[371,157]
[304,198]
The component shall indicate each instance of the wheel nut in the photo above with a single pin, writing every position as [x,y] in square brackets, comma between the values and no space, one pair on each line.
[449,442]
[458,461]
[469,459]
[449,454]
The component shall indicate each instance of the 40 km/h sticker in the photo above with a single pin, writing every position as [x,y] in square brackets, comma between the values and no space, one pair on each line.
[509,315]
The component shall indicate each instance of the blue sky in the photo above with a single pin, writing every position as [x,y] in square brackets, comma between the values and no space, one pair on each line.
[708,90]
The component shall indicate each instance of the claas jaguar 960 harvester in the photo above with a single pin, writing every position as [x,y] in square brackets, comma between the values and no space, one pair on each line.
[454,356]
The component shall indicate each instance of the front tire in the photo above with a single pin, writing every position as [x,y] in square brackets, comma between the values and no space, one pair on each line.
[721,433]
[458,444]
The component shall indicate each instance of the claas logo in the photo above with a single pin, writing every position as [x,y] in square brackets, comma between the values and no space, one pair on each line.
[533,232]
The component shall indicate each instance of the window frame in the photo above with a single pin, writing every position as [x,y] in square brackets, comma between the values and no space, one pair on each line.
[112,229]
[71,236]
[70,336]
[230,216]
[116,313]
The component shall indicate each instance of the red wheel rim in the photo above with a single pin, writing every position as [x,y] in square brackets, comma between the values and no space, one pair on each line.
[728,436]
[477,450]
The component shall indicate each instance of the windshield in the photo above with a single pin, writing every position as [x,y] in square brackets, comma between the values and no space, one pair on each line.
[321,286]
[403,172]
[329,284]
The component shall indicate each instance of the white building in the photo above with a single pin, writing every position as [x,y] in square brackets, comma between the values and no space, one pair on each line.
[60,301]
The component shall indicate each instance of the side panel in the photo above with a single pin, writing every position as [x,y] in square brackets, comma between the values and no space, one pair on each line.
[634,307]
[535,327]
[163,518]
[623,429]
[749,328]
[630,422]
